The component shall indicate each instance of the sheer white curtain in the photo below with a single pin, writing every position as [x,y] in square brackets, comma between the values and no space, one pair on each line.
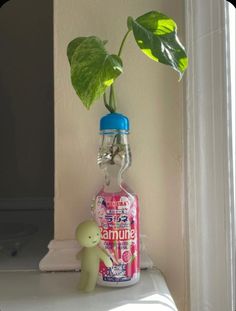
[232,48]
[232,45]
[209,159]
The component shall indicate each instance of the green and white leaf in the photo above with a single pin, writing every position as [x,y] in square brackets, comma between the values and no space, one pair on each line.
[156,36]
[93,70]
[72,47]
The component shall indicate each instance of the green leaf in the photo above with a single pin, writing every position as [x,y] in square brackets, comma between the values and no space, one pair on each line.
[93,69]
[72,47]
[156,35]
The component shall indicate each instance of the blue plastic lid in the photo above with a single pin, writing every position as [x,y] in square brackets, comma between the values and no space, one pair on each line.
[114,121]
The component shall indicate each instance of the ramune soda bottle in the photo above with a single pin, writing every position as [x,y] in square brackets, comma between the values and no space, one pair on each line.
[116,208]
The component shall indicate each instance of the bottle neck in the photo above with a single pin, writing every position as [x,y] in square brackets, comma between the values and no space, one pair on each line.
[113,179]
[114,158]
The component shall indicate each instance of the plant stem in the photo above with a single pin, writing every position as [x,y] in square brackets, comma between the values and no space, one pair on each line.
[106,104]
[112,100]
[123,41]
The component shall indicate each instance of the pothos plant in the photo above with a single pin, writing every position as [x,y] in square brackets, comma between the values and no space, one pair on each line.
[94,70]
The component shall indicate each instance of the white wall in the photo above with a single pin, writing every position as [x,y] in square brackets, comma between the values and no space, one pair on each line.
[150,95]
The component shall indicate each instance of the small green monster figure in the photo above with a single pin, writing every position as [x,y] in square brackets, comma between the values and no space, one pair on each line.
[88,236]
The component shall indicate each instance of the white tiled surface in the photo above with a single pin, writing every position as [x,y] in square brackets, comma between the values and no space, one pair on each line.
[35,291]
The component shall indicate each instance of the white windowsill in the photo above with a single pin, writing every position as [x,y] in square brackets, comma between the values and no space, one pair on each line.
[58,291]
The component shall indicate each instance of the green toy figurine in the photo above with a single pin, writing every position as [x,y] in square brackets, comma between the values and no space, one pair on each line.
[88,236]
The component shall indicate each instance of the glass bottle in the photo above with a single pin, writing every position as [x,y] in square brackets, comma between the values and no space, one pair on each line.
[116,208]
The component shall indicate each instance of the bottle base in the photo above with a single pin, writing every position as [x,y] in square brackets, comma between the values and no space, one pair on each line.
[131,282]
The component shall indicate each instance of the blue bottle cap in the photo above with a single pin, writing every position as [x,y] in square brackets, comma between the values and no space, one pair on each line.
[114,121]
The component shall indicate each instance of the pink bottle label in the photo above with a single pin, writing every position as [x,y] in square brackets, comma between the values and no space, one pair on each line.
[118,218]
